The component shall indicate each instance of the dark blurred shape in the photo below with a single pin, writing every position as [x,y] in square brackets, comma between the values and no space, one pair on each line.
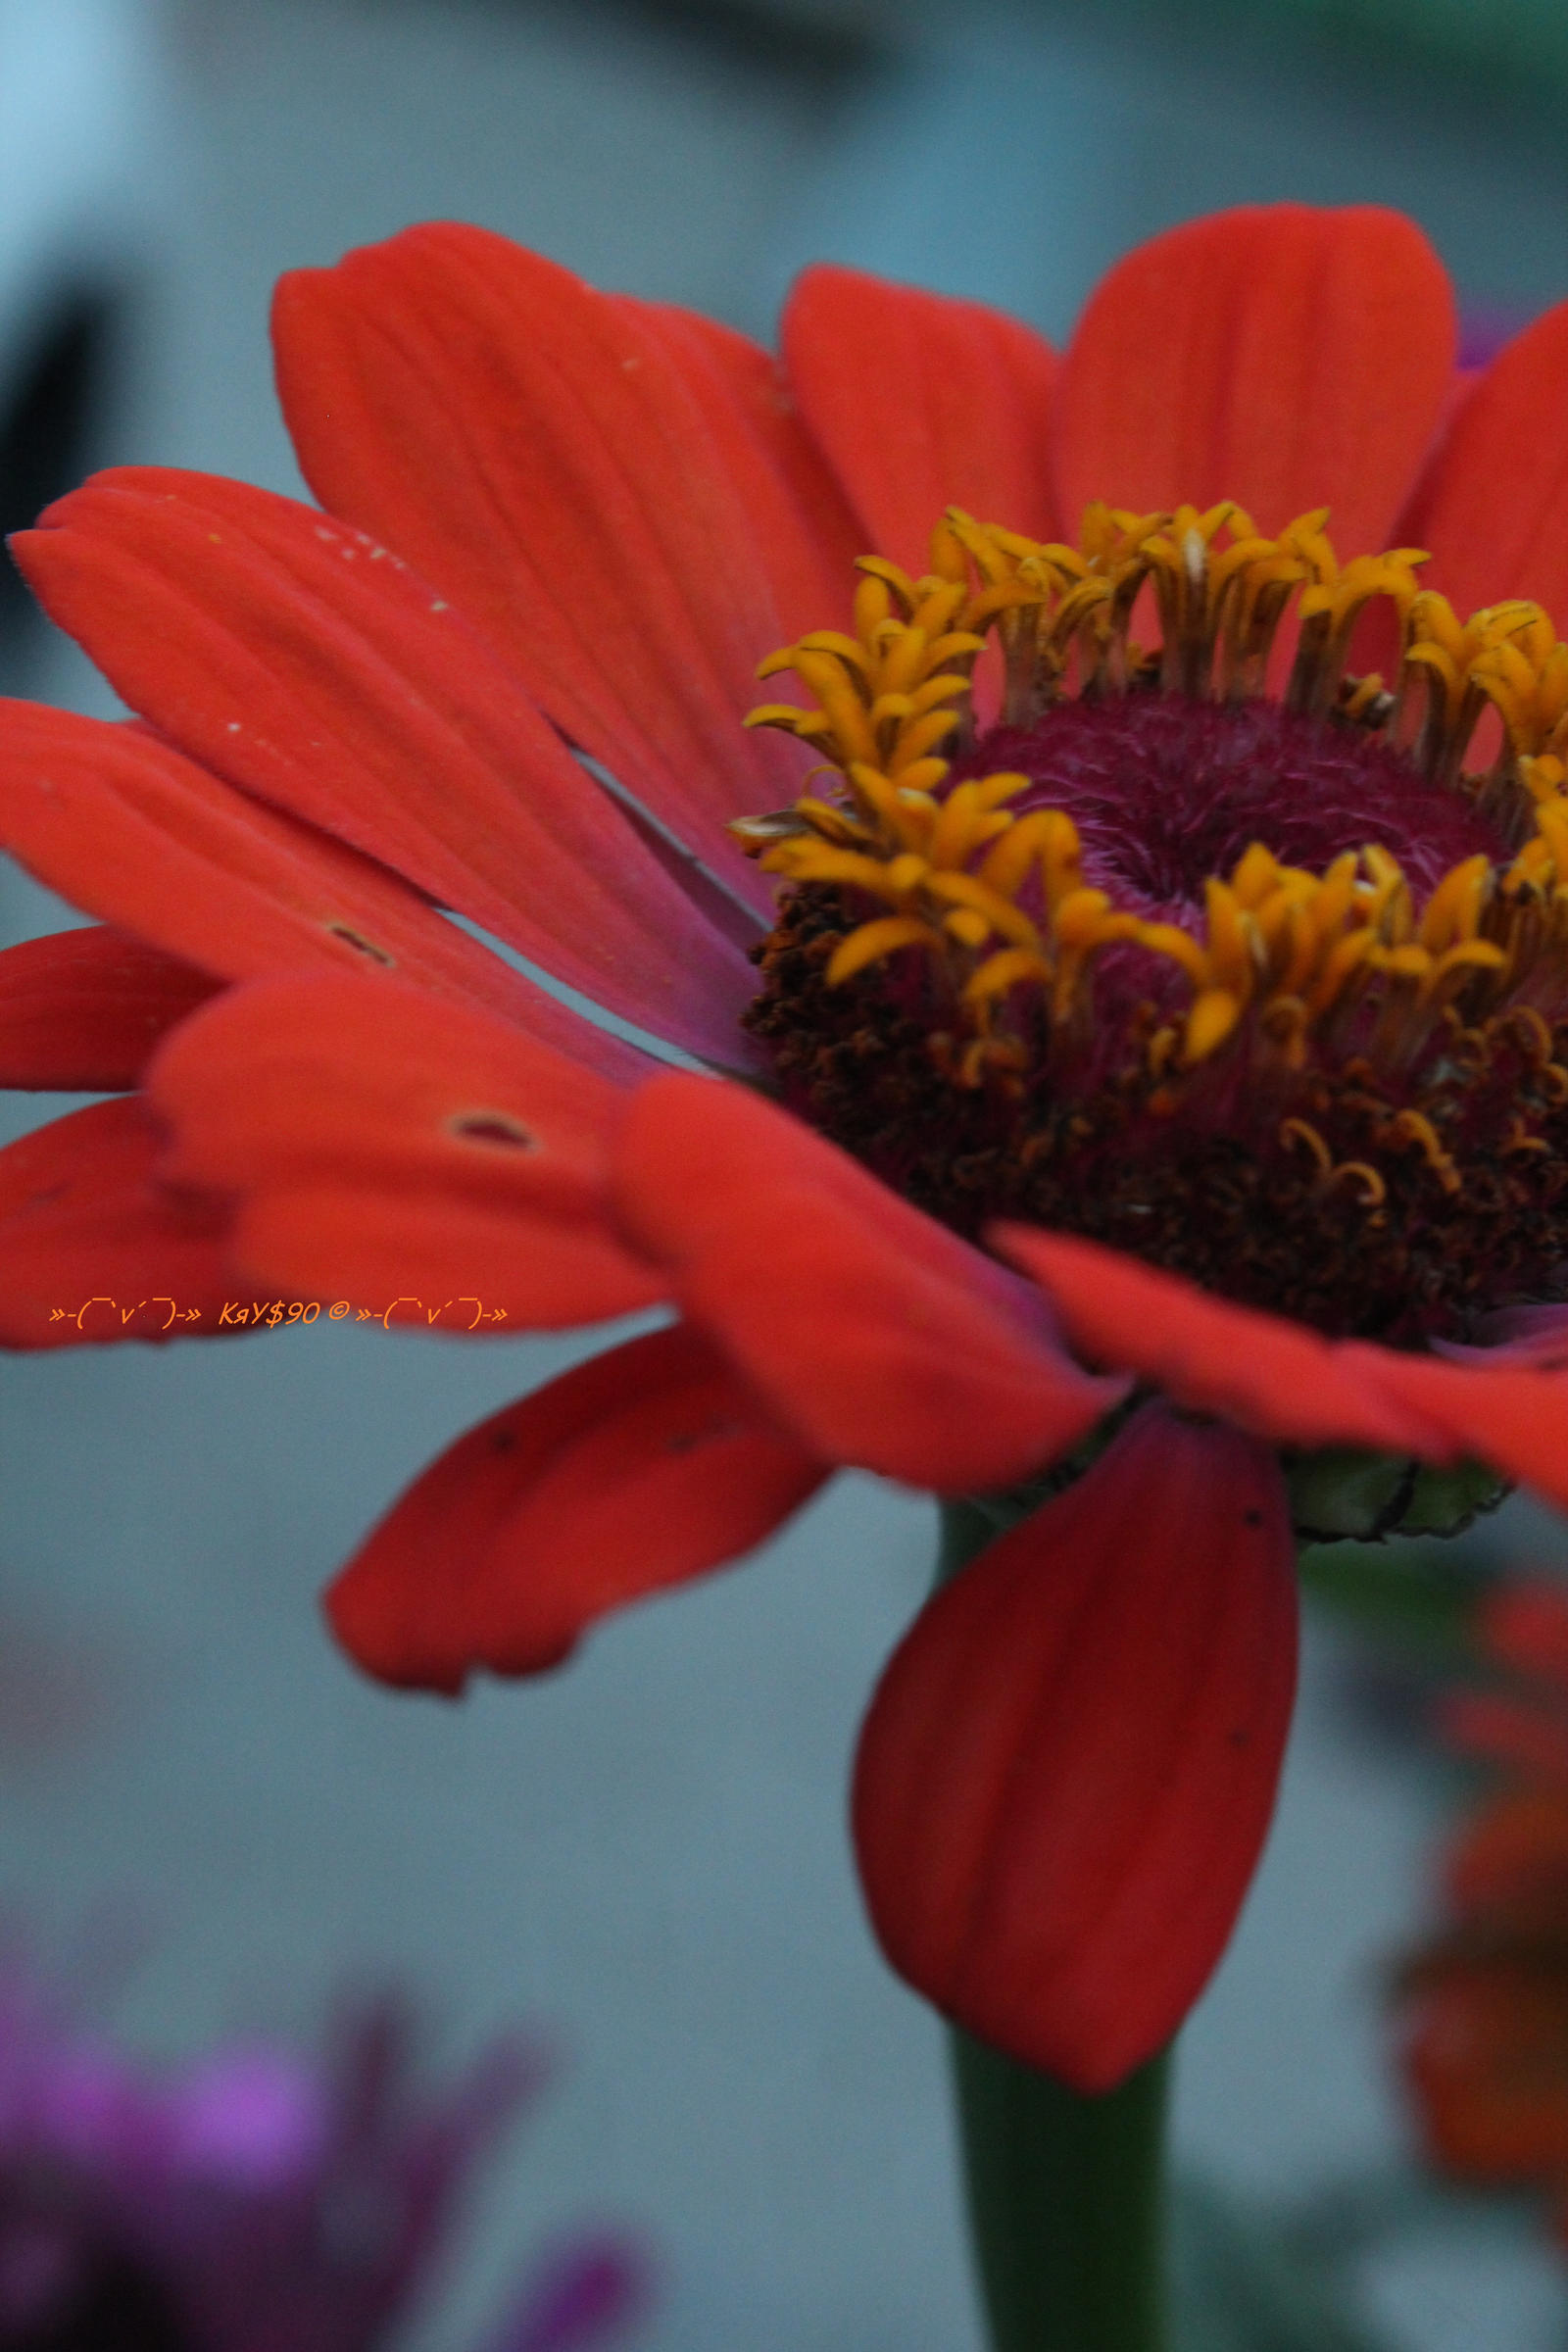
[48,428]
[57,2295]
[828,45]
[1482,52]
[815,46]
[1517,46]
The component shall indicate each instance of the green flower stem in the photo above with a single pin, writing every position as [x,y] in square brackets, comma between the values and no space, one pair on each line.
[1066,2193]
[1066,2204]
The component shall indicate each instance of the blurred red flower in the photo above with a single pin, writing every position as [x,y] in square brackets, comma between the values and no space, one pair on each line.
[1484,2004]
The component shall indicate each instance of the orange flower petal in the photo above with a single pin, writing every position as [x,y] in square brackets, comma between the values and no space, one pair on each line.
[1277,1379]
[639,1469]
[1279,355]
[417,1258]
[921,403]
[123,825]
[801,526]
[881,1337]
[532,447]
[306,666]
[383,1143]
[83,1010]
[91,1249]
[1494,505]
[1067,1772]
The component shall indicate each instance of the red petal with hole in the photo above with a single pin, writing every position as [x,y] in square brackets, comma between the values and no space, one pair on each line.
[123,825]
[533,448]
[805,535]
[1067,1772]
[639,1470]
[377,1138]
[1277,1379]
[304,663]
[879,1337]
[921,403]
[91,1247]
[83,1010]
[1493,508]
[1280,355]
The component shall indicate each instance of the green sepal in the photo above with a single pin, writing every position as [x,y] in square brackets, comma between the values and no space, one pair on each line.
[1341,1492]
[1444,1502]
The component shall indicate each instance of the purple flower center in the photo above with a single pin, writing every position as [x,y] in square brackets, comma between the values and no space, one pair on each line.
[1167,792]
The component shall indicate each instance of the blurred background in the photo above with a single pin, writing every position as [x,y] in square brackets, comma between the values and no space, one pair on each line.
[646,1857]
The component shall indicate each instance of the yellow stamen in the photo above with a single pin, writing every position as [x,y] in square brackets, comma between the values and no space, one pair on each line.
[995,897]
[872,941]
[1213,1017]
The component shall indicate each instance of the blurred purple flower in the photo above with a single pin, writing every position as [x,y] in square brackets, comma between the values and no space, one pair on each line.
[256,2202]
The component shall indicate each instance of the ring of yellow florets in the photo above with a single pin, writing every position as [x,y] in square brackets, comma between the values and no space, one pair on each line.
[1335,1061]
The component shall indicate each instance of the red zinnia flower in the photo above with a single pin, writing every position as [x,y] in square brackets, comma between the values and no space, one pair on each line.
[1164,1030]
